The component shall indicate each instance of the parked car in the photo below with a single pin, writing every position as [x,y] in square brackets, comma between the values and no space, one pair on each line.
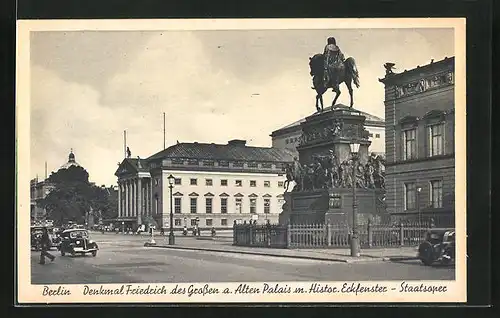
[36,237]
[77,241]
[438,246]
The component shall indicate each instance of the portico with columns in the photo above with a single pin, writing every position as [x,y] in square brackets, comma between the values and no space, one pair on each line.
[135,194]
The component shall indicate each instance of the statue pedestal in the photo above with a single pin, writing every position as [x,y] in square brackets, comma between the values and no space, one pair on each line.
[326,139]
[333,206]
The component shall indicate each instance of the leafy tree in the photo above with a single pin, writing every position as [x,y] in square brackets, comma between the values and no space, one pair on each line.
[73,197]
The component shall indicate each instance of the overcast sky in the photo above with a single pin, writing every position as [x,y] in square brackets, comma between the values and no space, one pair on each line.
[88,87]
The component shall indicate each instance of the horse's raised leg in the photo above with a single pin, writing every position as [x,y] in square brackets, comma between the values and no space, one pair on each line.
[337,94]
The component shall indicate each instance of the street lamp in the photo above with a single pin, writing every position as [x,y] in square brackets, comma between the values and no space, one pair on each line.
[171,237]
[355,235]
[418,206]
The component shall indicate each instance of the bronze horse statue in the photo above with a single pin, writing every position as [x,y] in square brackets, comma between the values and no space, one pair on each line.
[347,75]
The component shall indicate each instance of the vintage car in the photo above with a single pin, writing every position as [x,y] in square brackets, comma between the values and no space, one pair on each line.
[36,237]
[77,241]
[438,246]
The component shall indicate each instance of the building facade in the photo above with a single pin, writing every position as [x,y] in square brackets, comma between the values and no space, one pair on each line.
[288,137]
[215,185]
[420,145]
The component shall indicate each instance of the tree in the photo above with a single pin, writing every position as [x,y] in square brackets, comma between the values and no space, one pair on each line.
[72,196]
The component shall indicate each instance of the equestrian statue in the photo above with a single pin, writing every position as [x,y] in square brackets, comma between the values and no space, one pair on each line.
[331,69]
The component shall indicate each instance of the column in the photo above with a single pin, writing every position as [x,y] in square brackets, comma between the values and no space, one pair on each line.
[129,196]
[139,200]
[119,199]
[125,187]
[134,198]
[152,200]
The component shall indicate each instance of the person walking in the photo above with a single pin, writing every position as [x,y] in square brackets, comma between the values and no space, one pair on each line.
[45,242]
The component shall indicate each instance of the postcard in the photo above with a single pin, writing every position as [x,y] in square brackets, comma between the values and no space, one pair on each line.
[241,160]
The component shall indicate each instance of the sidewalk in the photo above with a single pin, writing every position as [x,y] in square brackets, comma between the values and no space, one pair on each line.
[332,255]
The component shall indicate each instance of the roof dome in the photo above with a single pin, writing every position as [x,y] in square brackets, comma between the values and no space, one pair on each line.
[71,161]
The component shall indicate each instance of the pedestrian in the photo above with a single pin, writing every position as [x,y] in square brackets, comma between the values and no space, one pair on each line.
[45,242]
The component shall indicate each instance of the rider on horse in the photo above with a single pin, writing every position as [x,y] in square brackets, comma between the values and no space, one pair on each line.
[334,61]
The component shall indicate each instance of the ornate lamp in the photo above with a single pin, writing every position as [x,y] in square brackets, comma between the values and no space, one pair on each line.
[355,235]
[171,237]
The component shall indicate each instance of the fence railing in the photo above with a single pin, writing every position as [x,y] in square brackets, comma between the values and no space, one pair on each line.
[329,235]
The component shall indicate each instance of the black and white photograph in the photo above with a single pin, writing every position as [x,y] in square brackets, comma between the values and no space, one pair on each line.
[245,160]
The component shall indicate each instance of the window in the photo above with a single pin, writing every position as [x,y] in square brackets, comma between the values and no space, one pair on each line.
[223,163]
[208,182]
[267,206]
[208,205]
[193,202]
[266,165]
[377,135]
[410,144]
[410,196]
[239,204]
[281,184]
[223,183]
[370,135]
[193,162]
[193,181]
[267,184]
[193,222]
[177,161]
[238,183]
[223,205]
[223,222]
[436,138]
[208,163]
[177,205]
[238,164]
[437,193]
[208,222]
[253,206]
[177,222]
[178,181]
[253,165]
[253,183]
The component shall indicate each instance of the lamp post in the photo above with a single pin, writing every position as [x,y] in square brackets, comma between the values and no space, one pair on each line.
[418,206]
[355,234]
[171,237]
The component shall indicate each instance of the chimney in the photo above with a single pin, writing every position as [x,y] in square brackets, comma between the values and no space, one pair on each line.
[237,142]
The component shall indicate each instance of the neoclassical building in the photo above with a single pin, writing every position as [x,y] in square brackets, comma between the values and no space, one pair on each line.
[215,185]
[420,142]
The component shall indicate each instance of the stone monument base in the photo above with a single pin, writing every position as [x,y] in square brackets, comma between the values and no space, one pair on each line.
[333,206]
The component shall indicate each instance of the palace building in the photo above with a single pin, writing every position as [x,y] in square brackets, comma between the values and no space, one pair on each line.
[288,137]
[215,185]
[420,145]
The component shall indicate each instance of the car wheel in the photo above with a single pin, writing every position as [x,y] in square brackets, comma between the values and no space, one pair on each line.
[425,253]
[94,253]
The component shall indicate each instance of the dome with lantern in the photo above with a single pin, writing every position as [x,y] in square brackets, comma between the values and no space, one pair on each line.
[71,161]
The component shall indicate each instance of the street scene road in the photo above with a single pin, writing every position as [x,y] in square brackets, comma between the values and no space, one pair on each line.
[124,259]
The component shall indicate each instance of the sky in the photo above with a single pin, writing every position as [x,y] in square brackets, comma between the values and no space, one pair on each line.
[87,87]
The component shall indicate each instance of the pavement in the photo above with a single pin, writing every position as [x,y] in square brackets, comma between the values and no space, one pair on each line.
[124,259]
[225,244]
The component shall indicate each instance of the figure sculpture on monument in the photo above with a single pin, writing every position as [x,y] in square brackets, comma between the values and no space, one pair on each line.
[298,174]
[329,70]
[333,170]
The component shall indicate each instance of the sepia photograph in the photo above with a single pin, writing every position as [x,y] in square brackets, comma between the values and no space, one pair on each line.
[241,160]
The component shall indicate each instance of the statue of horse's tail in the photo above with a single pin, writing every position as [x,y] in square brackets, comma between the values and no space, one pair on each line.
[353,70]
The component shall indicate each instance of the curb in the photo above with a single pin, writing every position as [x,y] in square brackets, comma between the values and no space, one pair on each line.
[400,258]
[338,260]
